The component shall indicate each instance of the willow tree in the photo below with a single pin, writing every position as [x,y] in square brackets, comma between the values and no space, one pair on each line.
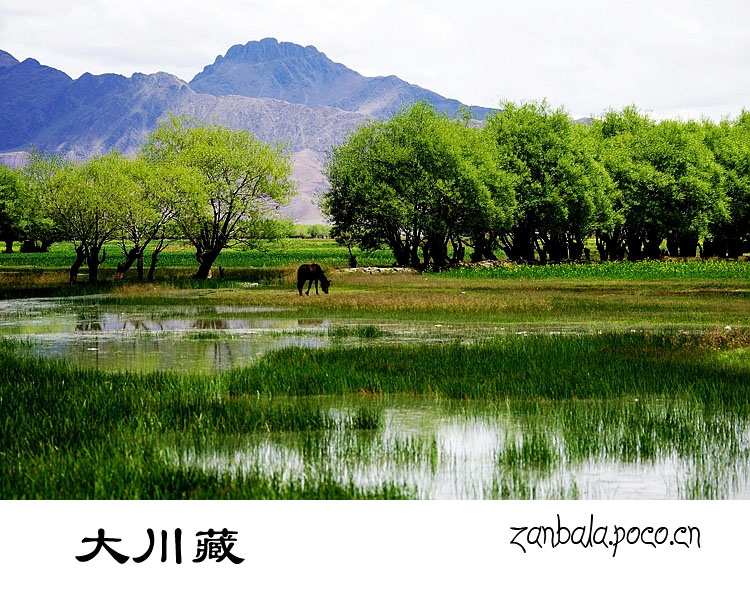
[669,185]
[86,203]
[38,229]
[245,181]
[730,143]
[159,193]
[12,191]
[562,192]
[416,182]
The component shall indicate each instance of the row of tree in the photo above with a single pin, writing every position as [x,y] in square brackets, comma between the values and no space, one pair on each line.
[213,186]
[537,185]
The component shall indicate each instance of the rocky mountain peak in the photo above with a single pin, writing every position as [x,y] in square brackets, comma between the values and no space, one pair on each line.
[7,60]
[283,92]
[304,75]
[270,49]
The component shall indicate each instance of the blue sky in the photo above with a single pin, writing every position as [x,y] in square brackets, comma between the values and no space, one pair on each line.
[672,58]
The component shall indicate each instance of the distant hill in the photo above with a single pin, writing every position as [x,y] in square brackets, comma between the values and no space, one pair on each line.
[303,75]
[15,160]
[7,60]
[28,102]
[282,92]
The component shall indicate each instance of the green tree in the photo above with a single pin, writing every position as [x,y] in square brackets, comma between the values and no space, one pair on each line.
[415,182]
[12,191]
[730,143]
[86,202]
[160,192]
[316,231]
[245,181]
[38,229]
[562,192]
[669,185]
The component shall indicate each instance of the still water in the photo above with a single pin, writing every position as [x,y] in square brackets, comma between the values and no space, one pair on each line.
[429,450]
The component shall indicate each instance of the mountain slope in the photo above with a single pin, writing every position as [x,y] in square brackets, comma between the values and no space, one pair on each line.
[286,71]
[43,108]
[7,60]
[28,100]
[283,93]
[96,113]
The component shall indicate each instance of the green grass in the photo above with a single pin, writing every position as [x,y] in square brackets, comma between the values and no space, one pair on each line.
[563,402]
[179,254]
[360,331]
[644,270]
[77,433]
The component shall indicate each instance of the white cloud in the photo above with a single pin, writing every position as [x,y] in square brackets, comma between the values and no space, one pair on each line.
[692,57]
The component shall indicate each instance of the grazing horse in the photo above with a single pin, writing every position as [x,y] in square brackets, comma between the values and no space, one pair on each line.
[311,272]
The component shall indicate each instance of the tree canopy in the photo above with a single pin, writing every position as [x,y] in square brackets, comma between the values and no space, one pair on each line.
[538,185]
[562,192]
[415,182]
[86,201]
[244,181]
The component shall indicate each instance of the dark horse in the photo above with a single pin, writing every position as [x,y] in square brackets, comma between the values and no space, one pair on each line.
[311,272]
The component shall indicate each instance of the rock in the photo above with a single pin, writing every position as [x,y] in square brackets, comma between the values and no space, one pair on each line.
[376,270]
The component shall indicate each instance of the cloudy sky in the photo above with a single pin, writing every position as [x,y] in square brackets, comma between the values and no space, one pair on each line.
[670,57]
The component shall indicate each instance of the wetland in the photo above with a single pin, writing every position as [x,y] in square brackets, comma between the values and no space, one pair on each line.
[583,384]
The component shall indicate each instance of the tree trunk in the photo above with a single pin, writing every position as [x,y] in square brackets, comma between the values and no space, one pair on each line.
[734,247]
[556,248]
[93,261]
[459,252]
[401,255]
[687,244]
[523,244]
[152,266]
[673,246]
[9,246]
[206,261]
[634,247]
[483,250]
[75,267]
[651,248]
[139,266]
[414,255]
[438,253]
[123,267]
[576,248]
[352,258]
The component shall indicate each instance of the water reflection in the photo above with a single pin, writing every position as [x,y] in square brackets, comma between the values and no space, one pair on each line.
[438,456]
[203,338]
[428,449]
[137,338]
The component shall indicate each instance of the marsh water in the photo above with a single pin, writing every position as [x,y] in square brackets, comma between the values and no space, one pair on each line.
[427,445]
[200,339]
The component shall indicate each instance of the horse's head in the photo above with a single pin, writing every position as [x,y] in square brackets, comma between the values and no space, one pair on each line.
[325,284]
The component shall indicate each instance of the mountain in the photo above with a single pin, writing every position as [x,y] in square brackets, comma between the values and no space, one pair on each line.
[304,75]
[98,112]
[282,92]
[7,60]
[28,100]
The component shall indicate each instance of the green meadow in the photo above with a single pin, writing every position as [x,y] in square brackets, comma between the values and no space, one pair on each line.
[613,380]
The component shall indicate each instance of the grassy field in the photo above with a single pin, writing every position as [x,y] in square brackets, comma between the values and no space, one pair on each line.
[83,434]
[181,255]
[652,381]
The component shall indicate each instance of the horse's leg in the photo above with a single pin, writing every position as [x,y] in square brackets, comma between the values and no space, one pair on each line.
[300,285]
[316,286]
[309,285]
